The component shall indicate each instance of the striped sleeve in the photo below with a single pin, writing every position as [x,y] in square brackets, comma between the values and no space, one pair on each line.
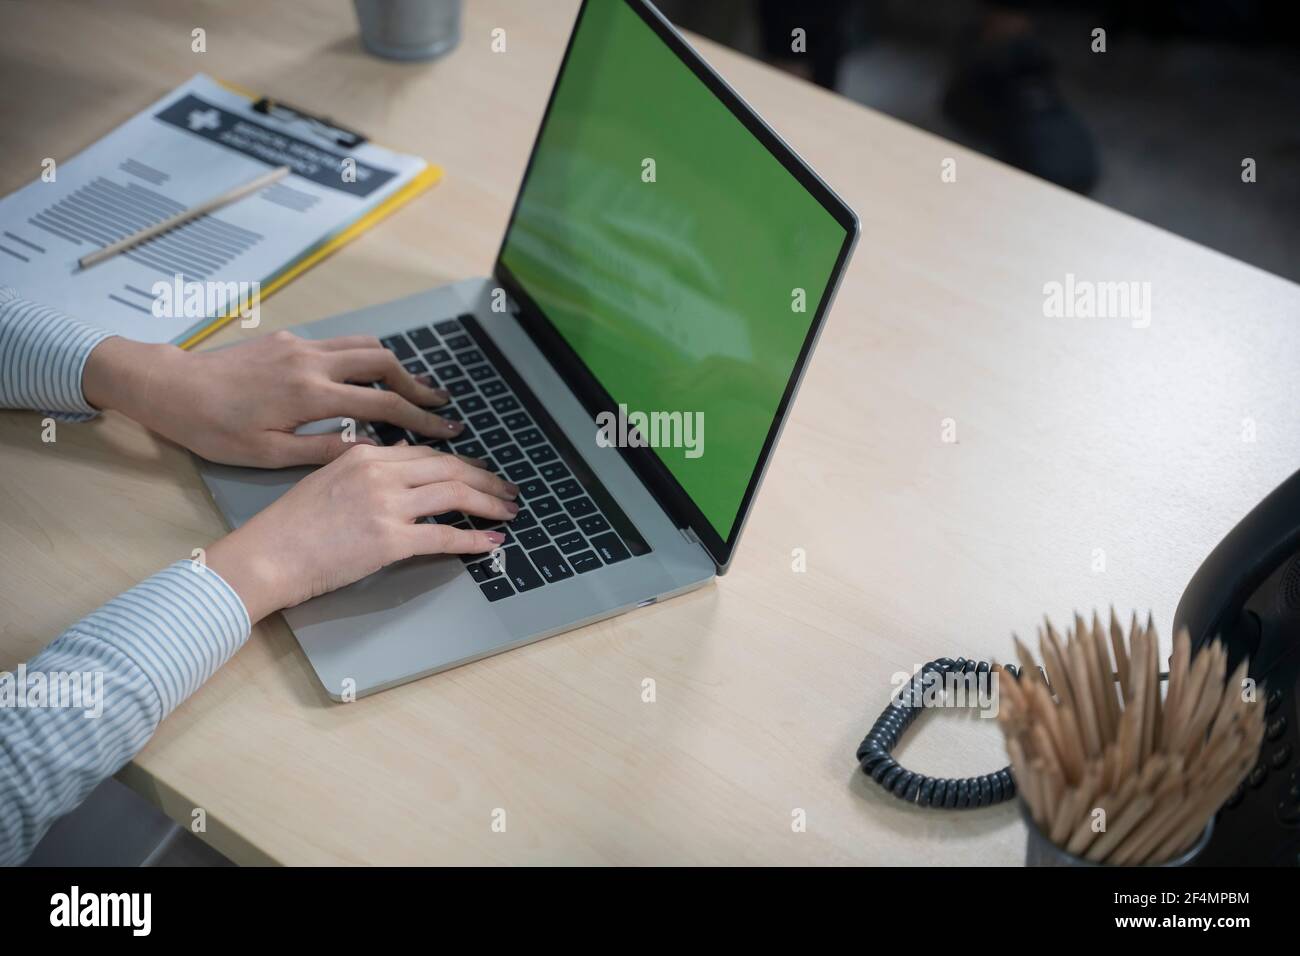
[42,357]
[88,703]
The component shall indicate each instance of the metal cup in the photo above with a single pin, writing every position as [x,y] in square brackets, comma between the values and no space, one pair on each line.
[1040,851]
[409,29]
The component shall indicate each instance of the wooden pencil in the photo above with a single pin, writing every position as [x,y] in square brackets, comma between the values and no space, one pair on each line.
[1111,769]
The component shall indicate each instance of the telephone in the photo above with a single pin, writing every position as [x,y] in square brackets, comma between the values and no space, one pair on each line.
[1248,592]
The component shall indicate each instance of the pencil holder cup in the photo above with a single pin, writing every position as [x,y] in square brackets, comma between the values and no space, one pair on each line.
[409,29]
[1041,851]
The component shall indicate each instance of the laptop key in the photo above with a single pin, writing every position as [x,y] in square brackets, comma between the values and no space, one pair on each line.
[523,520]
[593,524]
[508,454]
[587,561]
[520,470]
[496,589]
[528,436]
[481,373]
[470,449]
[516,421]
[388,434]
[482,570]
[532,488]
[437,356]
[460,387]
[558,524]
[448,372]
[554,471]
[568,543]
[484,524]
[495,437]
[448,326]
[483,420]
[541,454]
[472,404]
[579,507]
[533,538]
[520,570]
[567,488]
[422,338]
[415,367]
[544,507]
[470,357]
[506,403]
[552,566]
[492,388]
[458,342]
[399,347]
[449,517]
[609,547]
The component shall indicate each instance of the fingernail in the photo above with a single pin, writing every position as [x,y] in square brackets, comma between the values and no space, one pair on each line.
[441,394]
[512,489]
[496,537]
[512,508]
[454,426]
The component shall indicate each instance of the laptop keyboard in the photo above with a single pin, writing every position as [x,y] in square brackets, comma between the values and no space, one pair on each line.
[568,523]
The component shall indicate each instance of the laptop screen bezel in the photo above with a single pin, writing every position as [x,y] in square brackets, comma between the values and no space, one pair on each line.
[647,465]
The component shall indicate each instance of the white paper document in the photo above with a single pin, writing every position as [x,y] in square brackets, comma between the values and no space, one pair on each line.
[195,143]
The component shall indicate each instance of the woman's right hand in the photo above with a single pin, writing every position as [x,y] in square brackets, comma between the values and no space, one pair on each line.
[353,517]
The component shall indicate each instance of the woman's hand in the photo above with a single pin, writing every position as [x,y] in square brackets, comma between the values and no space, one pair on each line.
[240,405]
[353,517]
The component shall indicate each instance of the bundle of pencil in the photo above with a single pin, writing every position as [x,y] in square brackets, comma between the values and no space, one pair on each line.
[1095,734]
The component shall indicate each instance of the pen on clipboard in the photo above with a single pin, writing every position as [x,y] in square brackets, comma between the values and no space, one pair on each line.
[171,222]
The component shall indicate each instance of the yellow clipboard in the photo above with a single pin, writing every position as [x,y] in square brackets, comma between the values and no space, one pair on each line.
[426,178]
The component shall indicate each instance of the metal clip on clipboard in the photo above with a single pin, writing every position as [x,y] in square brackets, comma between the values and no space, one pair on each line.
[321,126]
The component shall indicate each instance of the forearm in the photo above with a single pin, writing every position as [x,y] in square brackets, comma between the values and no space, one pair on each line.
[134,660]
[119,374]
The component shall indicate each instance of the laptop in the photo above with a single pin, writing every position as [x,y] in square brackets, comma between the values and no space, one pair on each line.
[629,363]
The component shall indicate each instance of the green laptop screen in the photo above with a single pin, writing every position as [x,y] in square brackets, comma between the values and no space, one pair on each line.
[673,253]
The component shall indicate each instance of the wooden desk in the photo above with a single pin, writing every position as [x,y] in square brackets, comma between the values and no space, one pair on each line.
[1073,435]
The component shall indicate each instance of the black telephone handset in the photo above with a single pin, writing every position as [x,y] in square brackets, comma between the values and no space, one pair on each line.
[1248,593]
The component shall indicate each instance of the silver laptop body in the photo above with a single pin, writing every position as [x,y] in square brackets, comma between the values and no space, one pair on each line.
[425,615]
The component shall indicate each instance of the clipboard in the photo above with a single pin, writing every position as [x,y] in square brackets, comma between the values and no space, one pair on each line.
[427,178]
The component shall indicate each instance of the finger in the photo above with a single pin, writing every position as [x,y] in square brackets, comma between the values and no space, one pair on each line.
[424,451]
[444,539]
[289,450]
[402,451]
[426,471]
[456,495]
[343,343]
[478,463]
[379,405]
[381,365]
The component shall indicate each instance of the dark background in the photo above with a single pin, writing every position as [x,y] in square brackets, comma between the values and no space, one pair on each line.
[1185,90]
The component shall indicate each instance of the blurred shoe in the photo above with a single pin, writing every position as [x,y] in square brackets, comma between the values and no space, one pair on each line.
[1004,91]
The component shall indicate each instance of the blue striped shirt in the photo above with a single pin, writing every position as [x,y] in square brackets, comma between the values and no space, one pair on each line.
[88,703]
